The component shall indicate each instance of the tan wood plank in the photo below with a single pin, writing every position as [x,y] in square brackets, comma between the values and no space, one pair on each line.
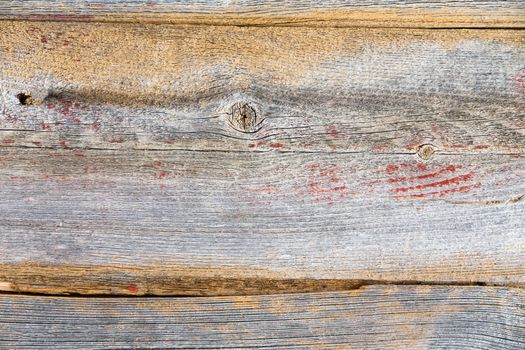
[376,317]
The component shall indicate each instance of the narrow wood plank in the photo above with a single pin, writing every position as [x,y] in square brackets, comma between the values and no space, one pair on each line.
[341,13]
[162,87]
[376,317]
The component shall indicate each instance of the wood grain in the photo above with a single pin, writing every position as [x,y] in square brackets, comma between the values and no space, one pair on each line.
[377,317]
[264,215]
[140,158]
[338,13]
[201,160]
[122,86]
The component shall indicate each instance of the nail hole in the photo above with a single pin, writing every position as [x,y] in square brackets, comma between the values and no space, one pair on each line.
[426,151]
[24,99]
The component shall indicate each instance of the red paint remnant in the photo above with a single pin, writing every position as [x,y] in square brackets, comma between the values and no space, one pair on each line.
[133,288]
[8,141]
[79,154]
[450,168]
[157,163]
[482,146]
[169,142]
[392,168]
[452,181]
[332,131]
[53,155]
[380,147]
[413,145]
[267,188]
[251,145]
[95,125]
[520,80]
[421,166]
[63,144]
[66,109]
[119,140]
[20,177]
[276,145]
[161,174]
[37,143]
[461,189]
[45,126]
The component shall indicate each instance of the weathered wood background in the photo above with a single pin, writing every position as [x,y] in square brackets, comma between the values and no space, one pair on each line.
[233,148]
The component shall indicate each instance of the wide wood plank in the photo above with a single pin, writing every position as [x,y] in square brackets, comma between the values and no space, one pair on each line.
[197,160]
[376,317]
[98,221]
[341,13]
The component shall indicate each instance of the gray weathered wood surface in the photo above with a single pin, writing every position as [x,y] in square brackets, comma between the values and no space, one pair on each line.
[365,156]
[376,317]
[340,13]
[184,159]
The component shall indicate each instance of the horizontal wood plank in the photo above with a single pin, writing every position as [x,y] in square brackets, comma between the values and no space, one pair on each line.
[150,218]
[340,13]
[157,159]
[376,317]
[165,87]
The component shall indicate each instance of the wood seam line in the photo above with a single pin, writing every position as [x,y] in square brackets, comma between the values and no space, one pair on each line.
[359,285]
[276,25]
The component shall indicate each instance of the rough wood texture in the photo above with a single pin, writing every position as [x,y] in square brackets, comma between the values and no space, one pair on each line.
[259,147]
[159,159]
[341,13]
[376,317]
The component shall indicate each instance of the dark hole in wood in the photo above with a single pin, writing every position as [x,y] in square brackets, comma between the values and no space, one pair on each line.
[24,99]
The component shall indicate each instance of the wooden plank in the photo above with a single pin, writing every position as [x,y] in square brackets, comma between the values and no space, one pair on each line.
[377,317]
[204,160]
[310,89]
[98,221]
[341,13]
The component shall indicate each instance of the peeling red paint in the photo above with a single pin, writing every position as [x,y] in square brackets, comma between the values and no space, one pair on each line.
[452,181]
[8,141]
[132,288]
[450,168]
[461,189]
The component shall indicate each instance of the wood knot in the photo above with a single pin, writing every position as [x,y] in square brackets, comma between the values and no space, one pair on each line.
[244,118]
[426,151]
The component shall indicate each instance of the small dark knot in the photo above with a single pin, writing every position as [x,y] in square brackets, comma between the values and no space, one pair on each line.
[244,117]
